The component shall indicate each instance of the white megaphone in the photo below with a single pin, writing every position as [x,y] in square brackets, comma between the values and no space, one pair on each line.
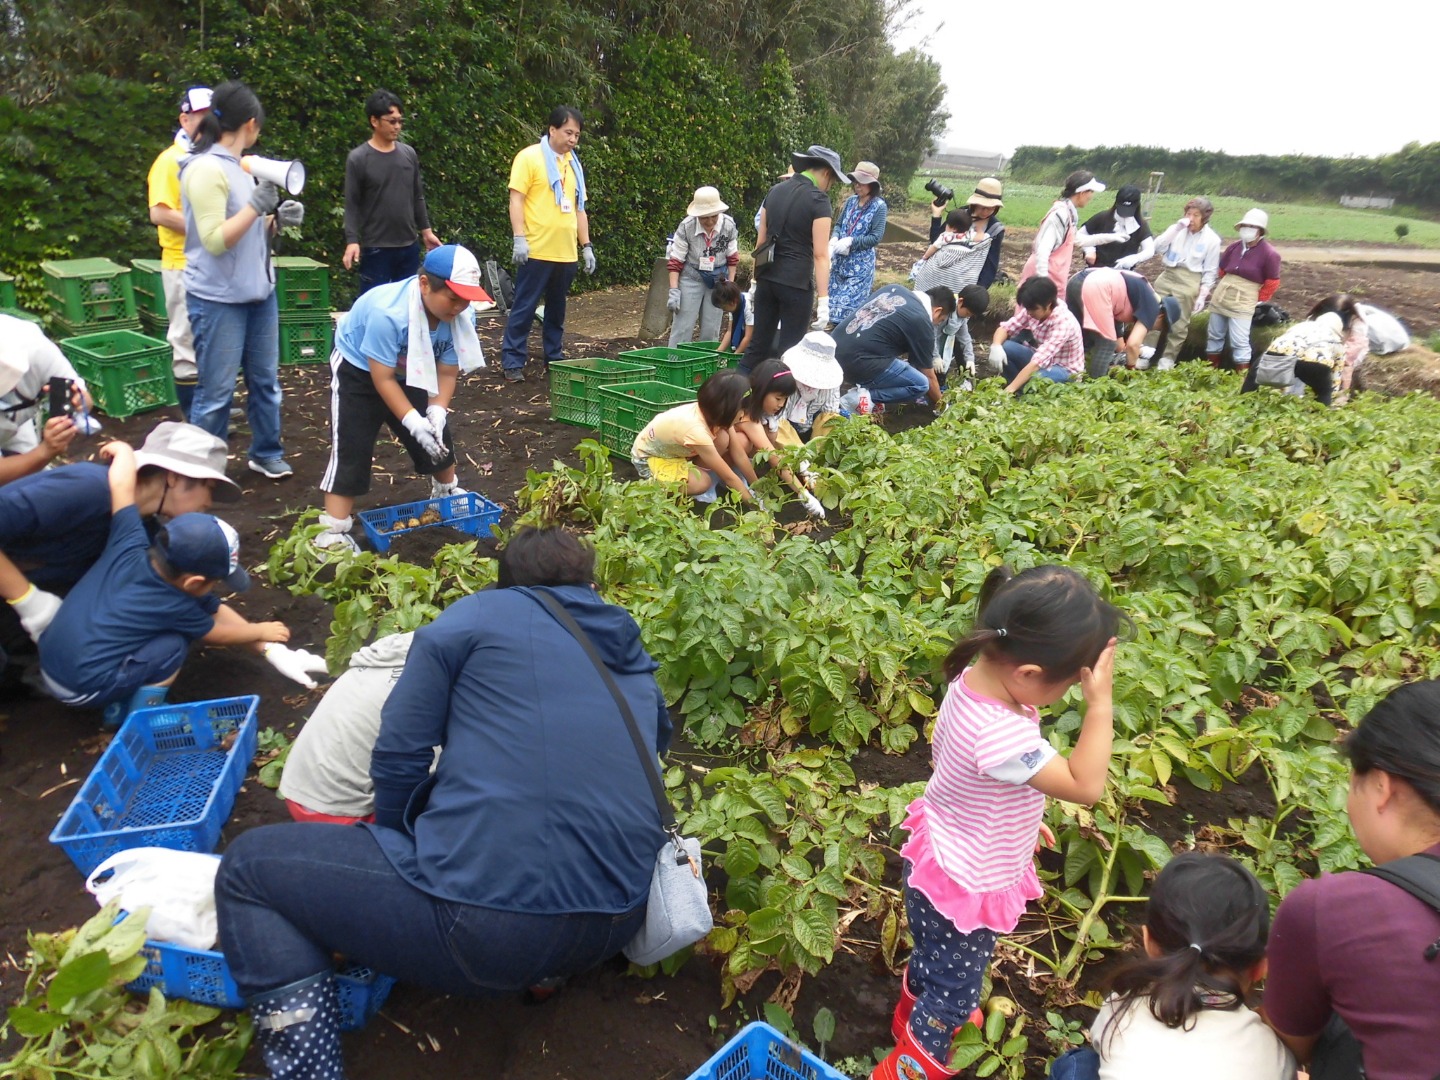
[289,176]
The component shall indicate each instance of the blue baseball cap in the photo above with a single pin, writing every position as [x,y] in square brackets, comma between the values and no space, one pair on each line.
[204,545]
[460,269]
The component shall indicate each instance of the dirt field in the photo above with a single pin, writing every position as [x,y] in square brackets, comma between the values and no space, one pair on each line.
[606,1023]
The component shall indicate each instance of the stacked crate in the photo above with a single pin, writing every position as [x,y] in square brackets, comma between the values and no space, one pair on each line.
[149,289]
[307,332]
[9,305]
[89,296]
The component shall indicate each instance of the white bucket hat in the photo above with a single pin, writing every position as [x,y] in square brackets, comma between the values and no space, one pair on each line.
[813,362]
[1256,217]
[189,451]
[706,202]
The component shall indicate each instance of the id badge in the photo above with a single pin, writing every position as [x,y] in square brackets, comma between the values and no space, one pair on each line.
[707,263]
[566,206]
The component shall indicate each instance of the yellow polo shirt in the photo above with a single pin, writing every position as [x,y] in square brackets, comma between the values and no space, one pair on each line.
[551,233]
[165,188]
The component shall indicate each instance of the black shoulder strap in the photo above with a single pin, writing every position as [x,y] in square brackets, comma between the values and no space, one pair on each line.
[647,757]
[1418,875]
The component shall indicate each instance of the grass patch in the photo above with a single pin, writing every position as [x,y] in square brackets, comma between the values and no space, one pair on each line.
[1026,205]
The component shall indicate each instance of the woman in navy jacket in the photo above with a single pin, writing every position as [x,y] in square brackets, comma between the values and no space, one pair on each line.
[525,856]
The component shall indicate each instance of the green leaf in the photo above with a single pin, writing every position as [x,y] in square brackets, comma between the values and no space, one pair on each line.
[32,1023]
[742,857]
[78,977]
[824,1025]
[765,923]
[815,933]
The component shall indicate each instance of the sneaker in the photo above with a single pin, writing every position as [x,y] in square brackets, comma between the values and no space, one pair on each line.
[1167,363]
[514,374]
[272,468]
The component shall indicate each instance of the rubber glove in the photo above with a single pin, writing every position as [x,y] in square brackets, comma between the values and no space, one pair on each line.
[822,314]
[1200,302]
[587,257]
[842,246]
[520,253]
[290,214]
[673,300]
[36,609]
[296,664]
[437,415]
[833,244]
[813,507]
[423,434]
[265,198]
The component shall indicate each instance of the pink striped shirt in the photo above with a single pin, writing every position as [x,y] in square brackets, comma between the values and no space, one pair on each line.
[983,815]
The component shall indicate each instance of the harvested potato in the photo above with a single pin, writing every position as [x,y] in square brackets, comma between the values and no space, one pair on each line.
[414,523]
[430,517]
[398,526]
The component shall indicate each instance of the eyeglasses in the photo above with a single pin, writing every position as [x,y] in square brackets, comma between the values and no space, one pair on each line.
[396,120]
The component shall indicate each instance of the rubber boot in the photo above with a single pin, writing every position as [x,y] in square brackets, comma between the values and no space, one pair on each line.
[903,1007]
[147,697]
[910,1061]
[297,1029]
[1242,370]
[1216,359]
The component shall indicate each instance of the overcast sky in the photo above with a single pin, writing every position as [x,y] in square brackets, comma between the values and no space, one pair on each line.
[1253,77]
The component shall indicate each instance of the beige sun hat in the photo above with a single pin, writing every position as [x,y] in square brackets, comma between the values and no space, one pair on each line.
[1256,217]
[867,172]
[189,451]
[987,193]
[706,202]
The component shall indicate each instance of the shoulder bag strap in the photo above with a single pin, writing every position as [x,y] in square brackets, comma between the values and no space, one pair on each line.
[1418,875]
[647,757]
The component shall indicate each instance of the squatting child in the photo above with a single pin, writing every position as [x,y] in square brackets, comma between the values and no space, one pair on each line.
[687,445]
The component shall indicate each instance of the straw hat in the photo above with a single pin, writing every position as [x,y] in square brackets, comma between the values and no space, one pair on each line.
[813,362]
[706,202]
[987,193]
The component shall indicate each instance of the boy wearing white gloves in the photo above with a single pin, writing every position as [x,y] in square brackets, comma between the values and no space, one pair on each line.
[398,354]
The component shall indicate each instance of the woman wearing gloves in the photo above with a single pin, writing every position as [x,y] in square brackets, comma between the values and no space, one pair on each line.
[1190,250]
[398,355]
[703,252]
[852,245]
[1118,237]
[229,282]
[1055,239]
[1249,274]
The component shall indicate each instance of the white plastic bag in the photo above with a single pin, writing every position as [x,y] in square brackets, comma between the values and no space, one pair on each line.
[1387,333]
[177,886]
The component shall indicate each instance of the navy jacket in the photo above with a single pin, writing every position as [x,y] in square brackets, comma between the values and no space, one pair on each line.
[538,803]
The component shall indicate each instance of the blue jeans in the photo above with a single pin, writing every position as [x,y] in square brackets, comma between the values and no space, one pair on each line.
[381,265]
[901,381]
[1018,357]
[231,339]
[290,896]
[1077,1063]
[535,282]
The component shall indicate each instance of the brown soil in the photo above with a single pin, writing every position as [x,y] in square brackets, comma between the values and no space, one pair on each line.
[605,1023]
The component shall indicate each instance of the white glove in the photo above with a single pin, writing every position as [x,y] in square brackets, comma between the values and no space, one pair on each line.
[834,243]
[587,258]
[1200,302]
[296,664]
[822,313]
[520,252]
[1127,262]
[813,507]
[437,415]
[672,301]
[842,246]
[36,609]
[997,356]
[423,434]
[290,214]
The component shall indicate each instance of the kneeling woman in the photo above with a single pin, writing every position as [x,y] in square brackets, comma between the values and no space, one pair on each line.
[689,443]
[526,856]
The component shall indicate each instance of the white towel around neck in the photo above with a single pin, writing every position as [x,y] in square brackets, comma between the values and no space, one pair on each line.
[420,354]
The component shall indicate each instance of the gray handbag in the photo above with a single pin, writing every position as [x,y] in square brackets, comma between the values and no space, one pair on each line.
[678,912]
[1272,369]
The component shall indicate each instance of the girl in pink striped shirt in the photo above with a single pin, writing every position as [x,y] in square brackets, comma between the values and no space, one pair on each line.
[969,862]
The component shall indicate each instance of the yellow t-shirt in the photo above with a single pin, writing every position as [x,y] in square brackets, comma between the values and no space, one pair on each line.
[551,232]
[676,433]
[165,189]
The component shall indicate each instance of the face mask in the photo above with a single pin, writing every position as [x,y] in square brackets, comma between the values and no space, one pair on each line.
[1249,235]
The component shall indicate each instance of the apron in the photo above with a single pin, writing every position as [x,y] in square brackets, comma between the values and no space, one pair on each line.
[1059,265]
[1235,297]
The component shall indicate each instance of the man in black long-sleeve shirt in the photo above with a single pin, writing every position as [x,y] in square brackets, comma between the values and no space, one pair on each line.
[385,200]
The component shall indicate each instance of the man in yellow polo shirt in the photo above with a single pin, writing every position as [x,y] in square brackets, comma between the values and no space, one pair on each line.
[548,219]
[169,219]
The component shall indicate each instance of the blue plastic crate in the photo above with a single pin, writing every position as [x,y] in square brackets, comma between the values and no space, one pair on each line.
[202,975]
[168,779]
[759,1052]
[470,513]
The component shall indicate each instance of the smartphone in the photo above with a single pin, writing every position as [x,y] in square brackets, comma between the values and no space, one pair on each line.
[62,396]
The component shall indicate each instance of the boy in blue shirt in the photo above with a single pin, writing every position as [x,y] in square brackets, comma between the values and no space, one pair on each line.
[122,633]
[397,358]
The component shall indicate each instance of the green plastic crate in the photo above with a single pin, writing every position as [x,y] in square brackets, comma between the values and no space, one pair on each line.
[126,372]
[626,408]
[301,284]
[676,366]
[699,346]
[573,383]
[63,328]
[306,339]
[7,292]
[154,325]
[93,293]
[149,290]
[16,313]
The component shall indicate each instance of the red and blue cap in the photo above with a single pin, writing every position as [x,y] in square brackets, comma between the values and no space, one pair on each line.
[204,545]
[460,269]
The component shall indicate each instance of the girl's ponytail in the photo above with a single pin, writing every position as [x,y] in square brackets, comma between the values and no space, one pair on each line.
[964,651]
[232,106]
[1208,918]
